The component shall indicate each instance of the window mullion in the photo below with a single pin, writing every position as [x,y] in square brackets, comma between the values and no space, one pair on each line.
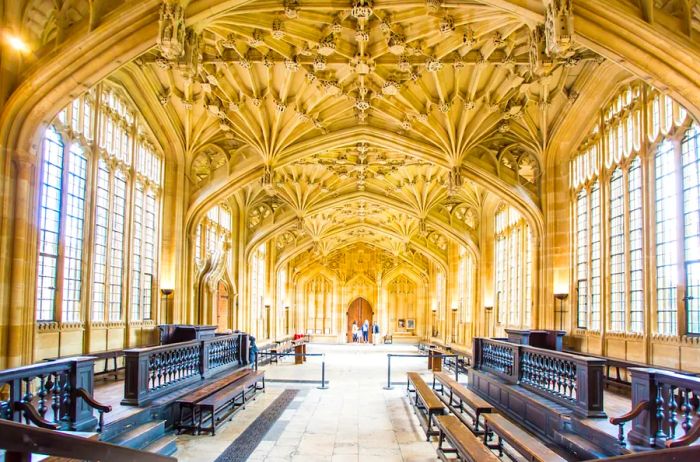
[61,251]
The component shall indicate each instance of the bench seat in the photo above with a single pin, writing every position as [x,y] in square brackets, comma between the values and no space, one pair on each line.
[456,396]
[426,402]
[189,401]
[528,446]
[227,399]
[463,443]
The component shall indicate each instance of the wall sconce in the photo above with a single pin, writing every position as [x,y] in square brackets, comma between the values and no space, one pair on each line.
[435,331]
[454,324]
[286,320]
[166,314]
[489,310]
[561,297]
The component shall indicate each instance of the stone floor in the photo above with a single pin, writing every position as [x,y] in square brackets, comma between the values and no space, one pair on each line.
[355,419]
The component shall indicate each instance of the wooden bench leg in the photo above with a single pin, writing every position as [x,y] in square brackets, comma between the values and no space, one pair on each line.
[116,369]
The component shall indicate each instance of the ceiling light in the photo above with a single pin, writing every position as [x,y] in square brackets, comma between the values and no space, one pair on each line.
[17,43]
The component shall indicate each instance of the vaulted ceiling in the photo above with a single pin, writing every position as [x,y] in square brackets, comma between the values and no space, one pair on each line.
[387,123]
[360,118]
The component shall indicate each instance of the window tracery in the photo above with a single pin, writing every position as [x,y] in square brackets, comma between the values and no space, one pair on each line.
[512,257]
[638,123]
[99,136]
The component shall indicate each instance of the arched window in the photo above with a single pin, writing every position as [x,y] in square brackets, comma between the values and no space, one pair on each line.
[513,262]
[674,193]
[98,141]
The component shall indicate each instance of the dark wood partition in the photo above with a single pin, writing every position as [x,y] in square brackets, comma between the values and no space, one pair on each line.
[155,371]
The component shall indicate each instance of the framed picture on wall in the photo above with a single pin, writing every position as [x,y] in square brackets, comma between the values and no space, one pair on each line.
[410,324]
[402,323]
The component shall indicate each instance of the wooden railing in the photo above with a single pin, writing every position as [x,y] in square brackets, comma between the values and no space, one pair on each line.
[663,404]
[571,380]
[51,394]
[21,441]
[155,371]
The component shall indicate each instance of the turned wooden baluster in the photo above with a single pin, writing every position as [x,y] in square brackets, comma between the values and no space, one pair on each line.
[672,407]
[686,408]
[42,394]
[28,396]
[660,412]
[56,396]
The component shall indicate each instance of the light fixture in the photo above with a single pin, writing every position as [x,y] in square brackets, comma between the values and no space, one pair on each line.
[16,43]
[166,292]
[489,309]
[561,297]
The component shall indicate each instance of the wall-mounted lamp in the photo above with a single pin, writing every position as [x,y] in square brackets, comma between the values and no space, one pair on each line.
[561,297]
[435,331]
[165,310]
[454,324]
[489,310]
[286,320]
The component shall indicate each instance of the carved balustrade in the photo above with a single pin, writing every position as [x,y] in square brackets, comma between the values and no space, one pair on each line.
[155,371]
[669,405]
[49,394]
[573,381]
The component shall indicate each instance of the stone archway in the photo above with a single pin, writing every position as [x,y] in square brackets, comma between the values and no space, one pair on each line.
[359,310]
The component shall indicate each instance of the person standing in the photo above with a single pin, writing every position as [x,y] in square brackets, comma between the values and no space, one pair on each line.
[375,333]
[354,332]
[365,331]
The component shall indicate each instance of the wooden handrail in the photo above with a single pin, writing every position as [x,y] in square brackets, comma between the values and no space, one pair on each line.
[638,409]
[692,435]
[30,413]
[19,440]
[83,393]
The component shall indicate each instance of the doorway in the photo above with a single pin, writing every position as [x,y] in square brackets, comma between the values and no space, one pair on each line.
[358,311]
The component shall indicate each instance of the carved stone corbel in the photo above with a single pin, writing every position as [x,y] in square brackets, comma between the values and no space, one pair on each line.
[559,25]
[171,30]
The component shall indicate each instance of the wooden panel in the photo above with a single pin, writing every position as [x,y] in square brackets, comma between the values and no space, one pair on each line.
[665,355]
[636,351]
[46,345]
[115,338]
[616,348]
[98,339]
[517,405]
[690,359]
[71,342]
[535,416]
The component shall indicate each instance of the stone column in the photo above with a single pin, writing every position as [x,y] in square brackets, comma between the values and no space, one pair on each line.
[21,316]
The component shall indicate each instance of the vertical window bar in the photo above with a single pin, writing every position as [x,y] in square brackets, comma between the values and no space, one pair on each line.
[595,257]
[73,234]
[618,310]
[49,221]
[666,226]
[636,255]
[690,151]
[582,258]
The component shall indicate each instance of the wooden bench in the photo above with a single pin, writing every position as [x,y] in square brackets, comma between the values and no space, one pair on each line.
[190,401]
[426,402]
[463,443]
[458,396]
[528,446]
[228,399]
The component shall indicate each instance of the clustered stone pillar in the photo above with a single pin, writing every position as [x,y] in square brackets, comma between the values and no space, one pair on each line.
[21,319]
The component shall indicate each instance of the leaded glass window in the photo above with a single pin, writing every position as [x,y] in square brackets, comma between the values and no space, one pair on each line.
[666,240]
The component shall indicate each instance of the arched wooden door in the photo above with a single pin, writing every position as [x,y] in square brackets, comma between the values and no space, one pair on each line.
[359,310]
[222,307]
